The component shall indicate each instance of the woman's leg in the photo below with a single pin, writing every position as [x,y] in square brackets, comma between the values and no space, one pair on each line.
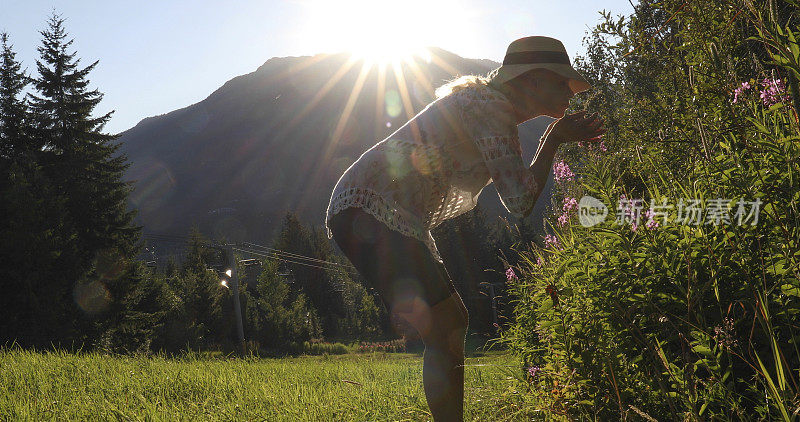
[417,288]
[443,328]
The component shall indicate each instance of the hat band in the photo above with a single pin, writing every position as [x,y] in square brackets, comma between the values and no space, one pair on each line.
[531,57]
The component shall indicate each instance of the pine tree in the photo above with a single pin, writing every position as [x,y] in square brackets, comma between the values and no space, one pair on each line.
[295,238]
[81,215]
[78,154]
[275,318]
[14,141]
[31,218]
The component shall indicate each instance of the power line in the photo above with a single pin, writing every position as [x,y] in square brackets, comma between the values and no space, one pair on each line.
[298,256]
[174,239]
[280,258]
[265,251]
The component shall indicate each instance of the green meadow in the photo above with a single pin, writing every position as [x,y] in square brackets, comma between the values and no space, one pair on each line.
[354,387]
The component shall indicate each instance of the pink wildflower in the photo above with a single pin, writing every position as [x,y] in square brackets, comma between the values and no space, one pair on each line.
[740,90]
[539,261]
[510,275]
[552,241]
[533,371]
[774,92]
[562,172]
[569,204]
[651,223]
[589,145]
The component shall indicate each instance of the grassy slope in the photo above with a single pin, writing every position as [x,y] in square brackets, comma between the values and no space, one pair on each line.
[37,386]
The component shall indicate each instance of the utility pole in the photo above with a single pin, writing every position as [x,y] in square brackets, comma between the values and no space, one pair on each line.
[237,306]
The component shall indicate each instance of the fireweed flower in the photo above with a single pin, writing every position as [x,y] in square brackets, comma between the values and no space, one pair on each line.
[551,241]
[510,275]
[568,205]
[589,145]
[651,223]
[628,212]
[740,90]
[774,92]
[562,172]
[725,335]
[533,371]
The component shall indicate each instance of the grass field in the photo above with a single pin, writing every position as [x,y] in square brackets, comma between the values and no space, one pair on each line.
[370,387]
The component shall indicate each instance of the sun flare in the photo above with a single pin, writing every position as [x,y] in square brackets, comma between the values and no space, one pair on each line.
[381,32]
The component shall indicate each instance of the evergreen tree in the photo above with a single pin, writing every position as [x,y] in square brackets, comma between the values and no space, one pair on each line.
[30,206]
[314,281]
[14,140]
[275,318]
[77,155]
[464,243]
[67,211]
[203,315]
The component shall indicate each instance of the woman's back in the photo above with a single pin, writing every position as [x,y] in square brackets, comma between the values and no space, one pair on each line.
[434,167]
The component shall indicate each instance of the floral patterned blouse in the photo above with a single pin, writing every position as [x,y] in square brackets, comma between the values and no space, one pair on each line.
[434,167]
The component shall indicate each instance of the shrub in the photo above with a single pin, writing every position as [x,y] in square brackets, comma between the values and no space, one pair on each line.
[664,318]
[393,346]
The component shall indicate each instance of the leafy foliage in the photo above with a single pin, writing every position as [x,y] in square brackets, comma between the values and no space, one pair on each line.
[669,319]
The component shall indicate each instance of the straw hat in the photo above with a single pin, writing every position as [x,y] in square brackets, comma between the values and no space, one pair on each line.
[539,52]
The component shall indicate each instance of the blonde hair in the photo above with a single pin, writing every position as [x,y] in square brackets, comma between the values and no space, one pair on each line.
[464,81]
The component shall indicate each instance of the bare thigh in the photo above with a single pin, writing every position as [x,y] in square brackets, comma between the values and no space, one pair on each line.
[401,268]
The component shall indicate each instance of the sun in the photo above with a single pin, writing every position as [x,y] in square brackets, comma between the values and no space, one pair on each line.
[380,32]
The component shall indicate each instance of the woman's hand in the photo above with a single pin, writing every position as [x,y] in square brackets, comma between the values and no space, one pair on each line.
[576,127]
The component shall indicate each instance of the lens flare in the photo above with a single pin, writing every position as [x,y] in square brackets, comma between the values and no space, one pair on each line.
[155,184]
[92,297]
[398,164]
[393,104]
[109,264]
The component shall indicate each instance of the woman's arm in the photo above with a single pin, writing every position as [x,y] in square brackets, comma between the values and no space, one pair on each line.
[540,166]
[577,127]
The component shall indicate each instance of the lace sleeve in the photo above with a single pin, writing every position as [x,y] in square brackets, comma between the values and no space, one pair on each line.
[491,124]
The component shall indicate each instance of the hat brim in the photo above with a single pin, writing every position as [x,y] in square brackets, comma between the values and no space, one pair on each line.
[577,83]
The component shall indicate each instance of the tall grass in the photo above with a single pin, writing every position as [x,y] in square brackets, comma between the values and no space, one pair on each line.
[62,386]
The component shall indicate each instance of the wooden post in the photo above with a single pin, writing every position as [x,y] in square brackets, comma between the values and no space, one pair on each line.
[237,306]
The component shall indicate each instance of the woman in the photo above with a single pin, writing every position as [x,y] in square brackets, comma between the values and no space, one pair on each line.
[433,168]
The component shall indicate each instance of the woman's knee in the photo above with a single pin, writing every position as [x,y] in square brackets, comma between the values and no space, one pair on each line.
[445,320]
[450,323]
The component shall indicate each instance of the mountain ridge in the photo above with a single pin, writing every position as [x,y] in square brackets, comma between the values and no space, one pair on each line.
[276,140]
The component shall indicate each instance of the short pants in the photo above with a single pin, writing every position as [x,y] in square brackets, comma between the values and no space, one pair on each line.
[399,267]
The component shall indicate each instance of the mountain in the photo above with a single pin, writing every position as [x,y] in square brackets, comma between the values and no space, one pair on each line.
[278,139]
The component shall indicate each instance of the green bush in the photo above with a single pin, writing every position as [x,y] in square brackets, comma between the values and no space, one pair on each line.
[666,319]
[324,348]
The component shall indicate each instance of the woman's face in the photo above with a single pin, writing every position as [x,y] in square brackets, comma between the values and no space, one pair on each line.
[542,92]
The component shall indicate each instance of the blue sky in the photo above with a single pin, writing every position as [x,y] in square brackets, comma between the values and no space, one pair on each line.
[161,56]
